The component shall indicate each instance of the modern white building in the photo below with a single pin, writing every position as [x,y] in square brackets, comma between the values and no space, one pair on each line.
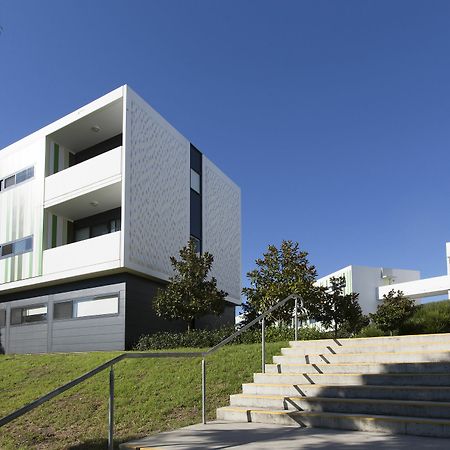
[427,287]
[366,281]
[92,207]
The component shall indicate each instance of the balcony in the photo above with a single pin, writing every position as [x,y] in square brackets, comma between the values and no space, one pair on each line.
[98,173]
[91,255]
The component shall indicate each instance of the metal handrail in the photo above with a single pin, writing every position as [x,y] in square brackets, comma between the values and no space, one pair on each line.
[110,364]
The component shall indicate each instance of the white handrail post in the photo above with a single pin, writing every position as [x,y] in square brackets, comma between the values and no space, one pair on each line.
[111,410]
[204,391]
[296,319]
[263,344]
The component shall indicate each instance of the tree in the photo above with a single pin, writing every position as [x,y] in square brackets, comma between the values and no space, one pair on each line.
[189,294]
[280,273]
[393,311]
[339,310]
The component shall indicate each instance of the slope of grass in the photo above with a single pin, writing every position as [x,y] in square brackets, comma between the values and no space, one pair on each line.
[152,395]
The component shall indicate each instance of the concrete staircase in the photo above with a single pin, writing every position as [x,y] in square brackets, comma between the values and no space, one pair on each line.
[397,385]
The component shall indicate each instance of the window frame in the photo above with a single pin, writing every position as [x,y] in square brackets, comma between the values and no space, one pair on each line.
[89,298]
[28,247]
[27,170]
[22,308]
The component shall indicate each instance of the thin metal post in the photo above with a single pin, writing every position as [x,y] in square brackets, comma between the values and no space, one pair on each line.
[263,344]
[204,391]
[296,319]
[111,410]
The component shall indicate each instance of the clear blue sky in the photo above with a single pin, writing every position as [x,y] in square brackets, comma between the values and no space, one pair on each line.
[332,116]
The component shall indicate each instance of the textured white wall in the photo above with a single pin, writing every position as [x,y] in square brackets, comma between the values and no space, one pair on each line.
[156,210]
[21,209]
[222,228]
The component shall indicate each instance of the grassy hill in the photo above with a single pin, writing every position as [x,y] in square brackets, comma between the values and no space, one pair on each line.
[152,395]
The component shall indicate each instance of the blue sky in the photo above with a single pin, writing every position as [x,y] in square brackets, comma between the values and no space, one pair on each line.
[332,116]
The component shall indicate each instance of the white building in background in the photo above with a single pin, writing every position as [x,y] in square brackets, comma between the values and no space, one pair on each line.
[427,287]
[92,207]
[366,281]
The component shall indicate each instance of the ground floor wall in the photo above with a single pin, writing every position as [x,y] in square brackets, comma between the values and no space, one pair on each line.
[107,313]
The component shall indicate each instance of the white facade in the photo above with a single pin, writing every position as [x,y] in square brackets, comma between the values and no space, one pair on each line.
[118,161]
[427,287]
[366,280]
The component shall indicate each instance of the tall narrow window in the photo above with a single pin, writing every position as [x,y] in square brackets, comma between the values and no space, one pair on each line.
[2,317]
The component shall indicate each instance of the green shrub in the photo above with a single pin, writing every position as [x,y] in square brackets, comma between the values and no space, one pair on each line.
[209,338]
[370,331]
[429,318]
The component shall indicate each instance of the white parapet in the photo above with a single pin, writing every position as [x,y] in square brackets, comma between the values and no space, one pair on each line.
[92,174]
[91,255]
[428,287]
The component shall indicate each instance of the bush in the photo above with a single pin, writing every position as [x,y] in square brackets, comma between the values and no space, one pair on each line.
[429,318]
[370,331]
[209,338]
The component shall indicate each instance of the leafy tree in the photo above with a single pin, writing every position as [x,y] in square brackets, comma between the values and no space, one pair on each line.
[189,294]
[280,272]
[339,310]
[393,311]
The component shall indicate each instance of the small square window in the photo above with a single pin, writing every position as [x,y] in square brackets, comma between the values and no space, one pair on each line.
[10,181]
[195,181]
[7,249]
[63,310]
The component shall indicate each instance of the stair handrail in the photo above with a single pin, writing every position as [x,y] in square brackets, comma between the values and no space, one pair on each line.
[110,364]
[260,319]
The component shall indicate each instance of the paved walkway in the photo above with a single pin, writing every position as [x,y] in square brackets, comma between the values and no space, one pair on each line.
[256,436]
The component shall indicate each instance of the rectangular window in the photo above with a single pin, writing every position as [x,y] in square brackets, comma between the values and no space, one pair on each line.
[24,175]
[198,247]
[31,314]
[7,249]
[96,307]
[2,317]
[195,181]
[63,310]
[81,234]
[10,181]
[99,230]
[17,247]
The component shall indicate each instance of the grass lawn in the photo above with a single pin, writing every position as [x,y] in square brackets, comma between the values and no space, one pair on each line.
[152,395]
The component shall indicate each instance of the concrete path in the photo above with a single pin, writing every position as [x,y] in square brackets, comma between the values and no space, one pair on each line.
[255,436]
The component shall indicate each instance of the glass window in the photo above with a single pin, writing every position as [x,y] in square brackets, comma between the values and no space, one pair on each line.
[195,181]
[10,181]
[96,307]
[30,314]
[81,234]
[34,314]
[114,225]
[23,246]
[197,244]
[7,249]
[99,230]
[16,316]
[63,310]
[25,175]
[2,317]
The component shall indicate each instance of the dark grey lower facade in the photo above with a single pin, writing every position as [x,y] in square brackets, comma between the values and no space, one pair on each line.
[106,313]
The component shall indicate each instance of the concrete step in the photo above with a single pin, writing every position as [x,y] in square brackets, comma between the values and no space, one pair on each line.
[415,393]
[439,410]
[392,379]
[381,341]
[374,357]
[363,422]
[368,348]
[426,367]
